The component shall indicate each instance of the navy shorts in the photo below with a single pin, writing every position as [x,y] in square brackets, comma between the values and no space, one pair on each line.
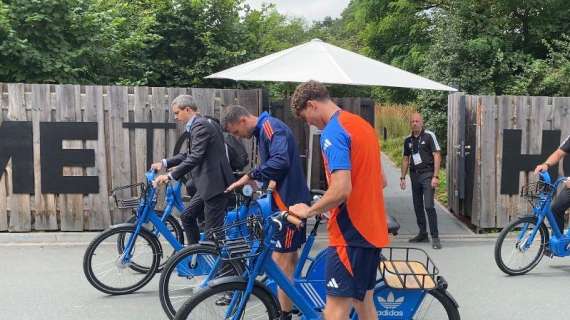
[351,271]
[289,238]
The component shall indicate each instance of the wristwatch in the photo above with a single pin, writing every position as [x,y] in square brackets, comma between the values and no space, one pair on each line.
[251,175]
[402,178]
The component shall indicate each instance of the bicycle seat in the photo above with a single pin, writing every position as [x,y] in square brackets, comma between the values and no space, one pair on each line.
[393,225]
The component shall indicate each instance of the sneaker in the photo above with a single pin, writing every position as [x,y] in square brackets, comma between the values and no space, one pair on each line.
[436,244]
[422,237]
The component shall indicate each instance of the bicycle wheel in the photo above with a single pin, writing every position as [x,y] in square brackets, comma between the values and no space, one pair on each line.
[166,249]
[104,267]
[179,282]
[515,252]
[436,305]
[203,306]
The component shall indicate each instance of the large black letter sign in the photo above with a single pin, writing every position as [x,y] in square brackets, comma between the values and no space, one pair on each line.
[149,126]
[514,162]
[16,143]
[54,157]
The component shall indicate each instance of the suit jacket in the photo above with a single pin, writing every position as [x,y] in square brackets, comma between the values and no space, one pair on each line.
[206,160]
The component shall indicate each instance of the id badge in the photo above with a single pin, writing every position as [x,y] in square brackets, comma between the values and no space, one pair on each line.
[417,158]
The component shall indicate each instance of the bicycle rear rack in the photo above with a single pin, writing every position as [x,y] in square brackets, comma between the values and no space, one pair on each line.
[408,268]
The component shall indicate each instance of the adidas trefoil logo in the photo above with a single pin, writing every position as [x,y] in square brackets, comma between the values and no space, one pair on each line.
[391,302]
[332,283]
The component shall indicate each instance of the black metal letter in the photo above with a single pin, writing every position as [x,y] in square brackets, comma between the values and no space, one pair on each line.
[514,162]
[54,157]
[16,142]
[149,126]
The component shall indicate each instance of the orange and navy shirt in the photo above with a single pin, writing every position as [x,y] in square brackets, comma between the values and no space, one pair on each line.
[349,142]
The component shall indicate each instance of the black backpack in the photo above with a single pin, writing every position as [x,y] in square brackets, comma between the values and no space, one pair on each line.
[237,153]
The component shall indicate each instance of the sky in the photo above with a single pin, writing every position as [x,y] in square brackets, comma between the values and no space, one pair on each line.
[311,10]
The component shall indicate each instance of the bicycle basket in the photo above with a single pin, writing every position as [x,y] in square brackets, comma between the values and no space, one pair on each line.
[407,268]
[240,239]
[128,197]
[533,191]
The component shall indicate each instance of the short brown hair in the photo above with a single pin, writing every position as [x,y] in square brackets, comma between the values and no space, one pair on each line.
[234,114]
[310,90]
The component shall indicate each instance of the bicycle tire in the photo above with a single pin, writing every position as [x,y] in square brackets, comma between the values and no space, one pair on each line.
[543,238]
[98,284]
[170,270]
[268,301]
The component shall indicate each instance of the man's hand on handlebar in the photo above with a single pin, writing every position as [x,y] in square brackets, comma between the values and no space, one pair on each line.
[301,210]
[242,181]
[162,179]
[541,168]
[157,166]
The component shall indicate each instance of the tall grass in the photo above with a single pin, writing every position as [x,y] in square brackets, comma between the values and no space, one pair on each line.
[395,118]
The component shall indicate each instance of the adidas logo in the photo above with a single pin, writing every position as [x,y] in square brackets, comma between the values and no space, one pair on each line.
[278,244]
[391,302]
[332,284]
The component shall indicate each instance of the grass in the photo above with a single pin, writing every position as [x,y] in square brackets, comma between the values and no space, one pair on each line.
[395,118]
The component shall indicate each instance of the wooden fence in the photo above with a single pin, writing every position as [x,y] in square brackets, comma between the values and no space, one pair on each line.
[494,142]
[112,121]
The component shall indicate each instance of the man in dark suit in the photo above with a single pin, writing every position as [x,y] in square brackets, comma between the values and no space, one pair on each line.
[206,161]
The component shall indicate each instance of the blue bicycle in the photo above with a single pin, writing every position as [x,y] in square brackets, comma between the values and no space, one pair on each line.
[126,257]
[407,288]
[522,244]
[195,265]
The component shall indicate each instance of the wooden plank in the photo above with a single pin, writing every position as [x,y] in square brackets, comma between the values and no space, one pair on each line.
[70,205]
[3,178]
[97,210]
[45,213]
[250,99]
[488,168]
[205,100]
[506,118]
[416,274]
[141,114]
[117,102]
[18,204]
[158,108]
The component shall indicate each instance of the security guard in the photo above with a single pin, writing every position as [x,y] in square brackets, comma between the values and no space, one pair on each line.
[422,156]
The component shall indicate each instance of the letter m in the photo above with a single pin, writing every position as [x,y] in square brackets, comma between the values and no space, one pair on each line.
[16,143]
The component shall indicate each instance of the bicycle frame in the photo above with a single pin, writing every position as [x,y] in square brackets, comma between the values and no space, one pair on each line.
[265,264]
[543,212]
[146,213]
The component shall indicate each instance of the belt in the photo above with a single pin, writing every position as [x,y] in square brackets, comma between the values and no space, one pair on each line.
[422,170]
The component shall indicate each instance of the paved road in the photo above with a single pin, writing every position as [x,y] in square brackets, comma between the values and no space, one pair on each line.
[46,282]
[399,204]
[41,275]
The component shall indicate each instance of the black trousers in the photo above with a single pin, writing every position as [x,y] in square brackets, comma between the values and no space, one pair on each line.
[423,193]
[193,212]
[559,206]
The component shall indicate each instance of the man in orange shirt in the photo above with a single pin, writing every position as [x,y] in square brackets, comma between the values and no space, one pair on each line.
[357,226]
